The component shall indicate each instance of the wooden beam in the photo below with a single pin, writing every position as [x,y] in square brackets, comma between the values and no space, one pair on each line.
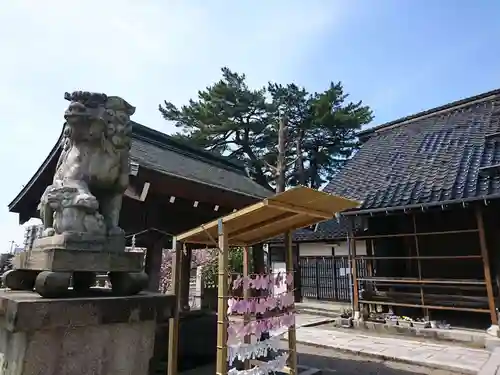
[259,237]
[354,271]
[486,266]
[132,192]
[225,219]
[173,322]
[222,320]
[263,224]
[292,338]
[168,185]
[419,266]
[299,210]
[186,276]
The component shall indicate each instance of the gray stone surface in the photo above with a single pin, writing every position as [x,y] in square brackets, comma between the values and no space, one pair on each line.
[81,241]
[80,336]
[92,172]
[27,311]
[59,260]
[446,357]
[473,338]
[492,366]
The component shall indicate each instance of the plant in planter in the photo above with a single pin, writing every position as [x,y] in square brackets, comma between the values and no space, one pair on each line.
[391,320]
[404,321]
[346,318]
[346,313]
[377,318]
[421,323]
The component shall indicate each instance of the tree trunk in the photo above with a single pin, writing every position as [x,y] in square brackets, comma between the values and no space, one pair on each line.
[281,164]
[313,169]
[301,177]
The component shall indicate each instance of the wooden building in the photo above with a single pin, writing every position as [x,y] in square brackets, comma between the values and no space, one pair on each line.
[430,187]
[173,187]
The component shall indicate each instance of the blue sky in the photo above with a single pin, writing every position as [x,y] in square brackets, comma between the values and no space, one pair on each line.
[400,57]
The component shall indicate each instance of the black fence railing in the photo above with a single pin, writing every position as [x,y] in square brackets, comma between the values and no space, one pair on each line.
[328,278]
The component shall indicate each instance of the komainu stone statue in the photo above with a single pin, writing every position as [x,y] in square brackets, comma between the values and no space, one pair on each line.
[80,210]
[92,171]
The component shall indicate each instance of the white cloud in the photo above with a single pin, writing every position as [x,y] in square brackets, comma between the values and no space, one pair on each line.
[145,51]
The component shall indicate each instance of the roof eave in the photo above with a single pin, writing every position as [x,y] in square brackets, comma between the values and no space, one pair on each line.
[53,153]
[13,206]
[255,196]
[450,106]
[422,206]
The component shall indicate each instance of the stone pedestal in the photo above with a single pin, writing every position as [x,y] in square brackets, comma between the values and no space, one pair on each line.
[98,335]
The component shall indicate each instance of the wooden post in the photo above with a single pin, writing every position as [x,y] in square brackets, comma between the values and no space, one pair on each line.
[419,266]
[222,321]
[369,272]
[354,271]
[186,276]
[297,279]
[246,295]
[292,339]
[173,322]
[486,266]
[154,254]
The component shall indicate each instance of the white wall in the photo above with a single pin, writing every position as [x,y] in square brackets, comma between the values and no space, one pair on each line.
[324,249]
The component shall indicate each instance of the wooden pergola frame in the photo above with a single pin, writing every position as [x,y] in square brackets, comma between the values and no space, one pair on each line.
[296,208]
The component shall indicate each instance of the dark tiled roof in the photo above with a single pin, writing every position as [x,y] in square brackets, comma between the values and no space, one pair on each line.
[154,150]
[440,155]
[157,151]
[325,231]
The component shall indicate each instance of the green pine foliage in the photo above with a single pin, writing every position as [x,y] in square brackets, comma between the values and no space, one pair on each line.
[232,119]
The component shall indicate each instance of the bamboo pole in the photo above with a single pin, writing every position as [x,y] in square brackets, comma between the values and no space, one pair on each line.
[246,295]
[173,322]
[292,338]
[486,266]
[222,320]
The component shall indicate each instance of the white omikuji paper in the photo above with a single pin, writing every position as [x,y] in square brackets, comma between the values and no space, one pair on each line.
[269,367]
[242,351]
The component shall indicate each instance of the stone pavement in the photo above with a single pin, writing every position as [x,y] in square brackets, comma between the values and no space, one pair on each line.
[438,356]
[308,320]
[492,367]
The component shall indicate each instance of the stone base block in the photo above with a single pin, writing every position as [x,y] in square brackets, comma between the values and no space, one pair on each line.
[80,336]
[63,260]
[493,330]
[81,242]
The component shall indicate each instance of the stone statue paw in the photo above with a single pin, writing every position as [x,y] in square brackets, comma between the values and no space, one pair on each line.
[86,200]
[48,232]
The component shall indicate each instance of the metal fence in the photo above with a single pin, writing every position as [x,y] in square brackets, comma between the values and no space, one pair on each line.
[328,278]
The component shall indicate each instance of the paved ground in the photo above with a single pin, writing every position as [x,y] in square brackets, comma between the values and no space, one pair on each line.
[322,361]
[441,356]
[492,367]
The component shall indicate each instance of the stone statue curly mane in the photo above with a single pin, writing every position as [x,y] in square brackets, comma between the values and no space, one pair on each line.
[93,169]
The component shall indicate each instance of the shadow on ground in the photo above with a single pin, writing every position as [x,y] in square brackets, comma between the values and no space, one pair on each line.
[334,363]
